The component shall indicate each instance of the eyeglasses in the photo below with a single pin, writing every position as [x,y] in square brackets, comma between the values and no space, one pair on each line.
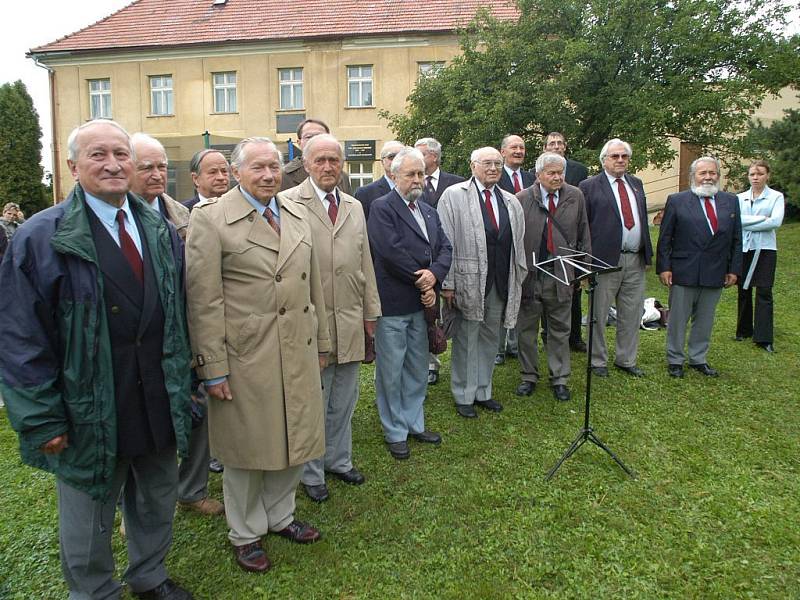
[618,156]
[489,164]
[390,156]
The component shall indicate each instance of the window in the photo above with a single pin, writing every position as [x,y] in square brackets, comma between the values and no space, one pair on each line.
[430,69]
[360,174]
[172,181]
[225,92]
[359,86]
[291,84]
[100,98]
[161,95]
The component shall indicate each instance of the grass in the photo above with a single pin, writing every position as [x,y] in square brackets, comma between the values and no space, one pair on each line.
[714,512]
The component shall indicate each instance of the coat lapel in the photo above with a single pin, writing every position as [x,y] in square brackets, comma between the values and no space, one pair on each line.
[291,232]
[399,206]
[237,208]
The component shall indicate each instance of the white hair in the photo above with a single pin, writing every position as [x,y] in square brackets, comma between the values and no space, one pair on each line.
[693,166]
[431,144]
[148,140]
[473,157]
[386,148]
[238,155]
[406,152]
[317,139]
[547,158]
[612,142]
[72,141]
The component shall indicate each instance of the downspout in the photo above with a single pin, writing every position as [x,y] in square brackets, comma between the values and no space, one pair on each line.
[55,155]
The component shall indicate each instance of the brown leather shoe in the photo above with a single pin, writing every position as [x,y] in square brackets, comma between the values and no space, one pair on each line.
[251,557]
[300,533]
[205,506]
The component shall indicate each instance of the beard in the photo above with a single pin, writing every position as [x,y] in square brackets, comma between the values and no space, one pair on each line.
[706,189]
[412,195]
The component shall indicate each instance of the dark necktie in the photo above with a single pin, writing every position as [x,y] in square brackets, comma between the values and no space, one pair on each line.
[273,222]
[517,186]
[489,209]
[711,214]
[551,206]
[129,248]
[625,205]
[333,210]
[429,186]
[412,206]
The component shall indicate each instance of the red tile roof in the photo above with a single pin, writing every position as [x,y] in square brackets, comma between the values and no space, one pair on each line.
[167,23]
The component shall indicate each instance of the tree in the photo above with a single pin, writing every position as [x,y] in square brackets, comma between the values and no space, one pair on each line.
[20,133]
[646,71]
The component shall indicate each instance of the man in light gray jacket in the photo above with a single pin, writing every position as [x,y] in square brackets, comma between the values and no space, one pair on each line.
[485,226]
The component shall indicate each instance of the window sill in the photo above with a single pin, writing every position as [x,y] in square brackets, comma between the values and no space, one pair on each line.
[359,107]
[290,110]
[224,113]
[160,116]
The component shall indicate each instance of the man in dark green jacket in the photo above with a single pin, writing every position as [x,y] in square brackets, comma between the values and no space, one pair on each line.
[97,386]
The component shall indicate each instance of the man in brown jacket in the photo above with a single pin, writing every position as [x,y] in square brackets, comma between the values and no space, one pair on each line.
[351,301]
[259,334]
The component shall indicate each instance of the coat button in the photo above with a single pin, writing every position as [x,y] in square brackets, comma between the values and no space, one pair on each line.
[250,218]
[115,309]
[338,270]
[278,278]
[303,276]
[282,311]
[305,309]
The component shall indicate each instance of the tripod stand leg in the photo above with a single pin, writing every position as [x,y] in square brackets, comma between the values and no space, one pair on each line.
[599,443]
[579,441]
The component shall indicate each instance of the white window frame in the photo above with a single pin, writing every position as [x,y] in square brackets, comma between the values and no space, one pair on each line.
[100,98]
[293,86]
[429,68]
[360,173]
[360,86]
[161,95]
[225,82]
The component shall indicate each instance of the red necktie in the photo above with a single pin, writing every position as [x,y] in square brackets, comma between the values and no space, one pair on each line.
[625,205]
[429,185]
[517,186]
[551,206]
[270,217]
[333,210]
[489,209]
[711,214]
[129,248]
[411,206]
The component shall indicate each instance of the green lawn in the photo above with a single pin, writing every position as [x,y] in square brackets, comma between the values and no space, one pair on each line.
[714,513]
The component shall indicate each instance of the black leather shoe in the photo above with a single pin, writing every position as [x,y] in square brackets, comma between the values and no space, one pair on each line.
[675,371]
[512,354]
[561,393]
[467,411]
[579,346]
[633,371]
[353,476]
[705,370]
[490,404]
[525,388]
[318,493]
[251,557]
[433,377]
[215,466]
[399,450]
[499,359]
[300,533]
[426,437]
[739,338]
[766,347]
[600,371]
[168,590]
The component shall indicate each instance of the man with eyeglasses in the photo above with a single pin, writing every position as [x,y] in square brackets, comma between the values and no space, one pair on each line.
[483,287]
[616,207]
[372,191]
[294,173]
[574,173]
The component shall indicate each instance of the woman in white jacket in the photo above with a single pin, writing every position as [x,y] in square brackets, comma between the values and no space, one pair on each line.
[762,213]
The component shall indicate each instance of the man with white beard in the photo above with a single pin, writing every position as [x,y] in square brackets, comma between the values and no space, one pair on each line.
[699,252]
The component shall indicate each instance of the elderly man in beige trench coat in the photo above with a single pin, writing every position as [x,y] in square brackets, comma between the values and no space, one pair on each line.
[351,301]
[259,335]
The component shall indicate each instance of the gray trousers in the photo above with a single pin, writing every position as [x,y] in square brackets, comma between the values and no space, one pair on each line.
[624,288]
[473,350]
[193,470]
[558,314]
[698,304]
[340,395]
[85,527]
[257,502]
[507,340]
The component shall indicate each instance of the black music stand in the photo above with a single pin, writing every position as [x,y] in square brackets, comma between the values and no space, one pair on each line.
[589,271]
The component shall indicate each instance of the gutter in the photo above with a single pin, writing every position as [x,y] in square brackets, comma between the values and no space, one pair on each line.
[55,155]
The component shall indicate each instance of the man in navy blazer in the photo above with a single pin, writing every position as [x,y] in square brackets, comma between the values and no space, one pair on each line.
[412,257]
[699,252]
[513,179]
[366,194]
[616,207]
[210,176]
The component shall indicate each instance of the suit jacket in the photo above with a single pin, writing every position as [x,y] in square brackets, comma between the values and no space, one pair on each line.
[346,271]
[372,191]
[687,247]
[445,181]
[257,315]
[294,173]
[463,223]
[399,248]
[570,215]
[190,203]
[605,220]
[576,172]
[505,181]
